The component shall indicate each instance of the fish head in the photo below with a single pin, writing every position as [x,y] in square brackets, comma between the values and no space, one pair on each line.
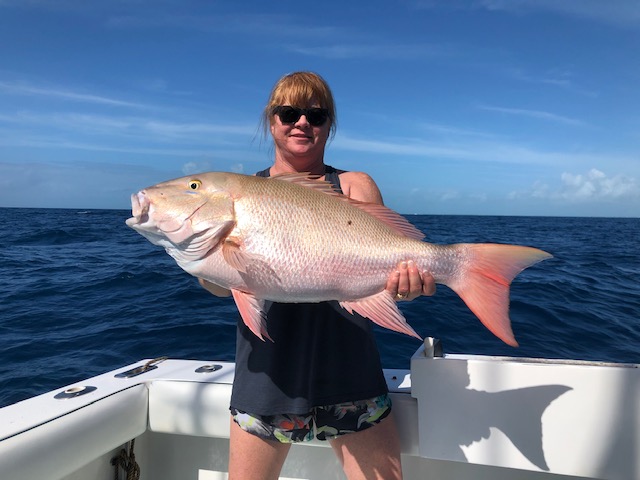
[193,213]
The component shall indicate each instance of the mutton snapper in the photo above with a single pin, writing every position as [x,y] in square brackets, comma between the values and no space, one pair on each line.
[291,238]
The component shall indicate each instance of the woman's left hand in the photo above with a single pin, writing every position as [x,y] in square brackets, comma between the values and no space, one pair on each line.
[406,282]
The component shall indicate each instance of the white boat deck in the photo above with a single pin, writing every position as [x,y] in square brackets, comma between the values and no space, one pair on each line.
[460,417]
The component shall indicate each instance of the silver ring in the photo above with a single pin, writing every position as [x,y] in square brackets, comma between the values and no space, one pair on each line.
[401,296]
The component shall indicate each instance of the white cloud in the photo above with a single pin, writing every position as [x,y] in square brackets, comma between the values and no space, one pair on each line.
[592,186]
[190,168]
[176,130]
[622,13]
[200,166]
[449,195]
[378,52]
[614,12]
[31,90]
[558,77]
[538,114]
[479,150]
[119,133]
[260,24]
[401,147]
[451,131]
[74,184]
[43,142]
[160,85]
[596,185]
[479,197]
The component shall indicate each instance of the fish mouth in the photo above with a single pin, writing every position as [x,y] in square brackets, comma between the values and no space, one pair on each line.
[140,206]
[151,222]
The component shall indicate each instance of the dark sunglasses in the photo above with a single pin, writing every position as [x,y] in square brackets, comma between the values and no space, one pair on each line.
[288,114]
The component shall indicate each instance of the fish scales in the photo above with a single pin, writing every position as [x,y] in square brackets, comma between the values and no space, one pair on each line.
[315,244]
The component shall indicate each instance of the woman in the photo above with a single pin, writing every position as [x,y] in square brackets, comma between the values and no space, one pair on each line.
[322,368]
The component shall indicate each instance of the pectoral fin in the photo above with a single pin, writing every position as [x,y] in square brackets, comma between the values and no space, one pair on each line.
[234,255]
[381,309]
[251,265]
[252,312]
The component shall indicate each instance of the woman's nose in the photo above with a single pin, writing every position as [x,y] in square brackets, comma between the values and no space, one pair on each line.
[302,121]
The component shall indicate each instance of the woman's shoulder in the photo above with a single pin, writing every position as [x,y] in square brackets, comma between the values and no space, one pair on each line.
[360,186]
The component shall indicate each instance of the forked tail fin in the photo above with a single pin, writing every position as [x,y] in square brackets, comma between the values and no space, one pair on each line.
[484,282]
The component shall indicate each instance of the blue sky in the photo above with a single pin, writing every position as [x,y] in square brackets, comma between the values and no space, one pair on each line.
[507,107]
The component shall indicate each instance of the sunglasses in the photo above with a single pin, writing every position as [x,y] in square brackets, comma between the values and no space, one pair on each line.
[315,116]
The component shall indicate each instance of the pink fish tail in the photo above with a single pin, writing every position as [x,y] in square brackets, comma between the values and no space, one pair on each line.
[484,283]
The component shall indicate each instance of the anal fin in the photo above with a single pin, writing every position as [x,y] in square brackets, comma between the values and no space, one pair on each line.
[381,309]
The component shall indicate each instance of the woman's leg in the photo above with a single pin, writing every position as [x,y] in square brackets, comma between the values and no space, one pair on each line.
[373,453]
[251,457]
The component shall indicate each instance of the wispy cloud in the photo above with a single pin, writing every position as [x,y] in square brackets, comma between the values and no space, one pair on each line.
[615,12]
[449,130]
[438,149]
[20,3]
[47,4]
[561,78]
[383,51]
[52,142]
[400,147]
[621,13]
[75,184]
[146,129]
[160,85]
[591,186]
[348,43]
[26,89]
[190,168]
[537,114]
[278,25]
[482,150]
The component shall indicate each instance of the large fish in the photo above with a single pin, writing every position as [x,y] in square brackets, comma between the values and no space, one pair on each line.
[292,238]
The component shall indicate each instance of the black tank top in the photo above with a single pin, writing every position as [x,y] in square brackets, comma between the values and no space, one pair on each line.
[321,355]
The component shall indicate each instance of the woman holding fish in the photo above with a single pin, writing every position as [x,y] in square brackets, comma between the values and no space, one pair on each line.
[319,371]
[297,253]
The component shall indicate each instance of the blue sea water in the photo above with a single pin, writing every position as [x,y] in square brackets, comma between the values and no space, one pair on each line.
[80,294]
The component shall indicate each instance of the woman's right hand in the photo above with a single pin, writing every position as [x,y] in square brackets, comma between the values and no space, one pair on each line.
[407,283]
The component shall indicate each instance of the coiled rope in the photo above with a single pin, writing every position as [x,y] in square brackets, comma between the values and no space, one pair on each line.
[127,462]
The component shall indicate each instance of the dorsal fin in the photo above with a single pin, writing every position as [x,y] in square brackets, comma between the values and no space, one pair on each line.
[309,180]
[387,216]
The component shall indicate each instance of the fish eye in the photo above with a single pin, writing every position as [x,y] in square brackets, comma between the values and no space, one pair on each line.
[194,184]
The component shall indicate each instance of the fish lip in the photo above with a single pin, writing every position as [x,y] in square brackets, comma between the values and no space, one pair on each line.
[140,205]
[141,220]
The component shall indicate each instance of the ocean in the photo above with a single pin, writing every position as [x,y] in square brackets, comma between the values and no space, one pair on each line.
[81,294]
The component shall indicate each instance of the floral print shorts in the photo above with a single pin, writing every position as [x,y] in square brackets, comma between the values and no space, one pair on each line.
[325,422]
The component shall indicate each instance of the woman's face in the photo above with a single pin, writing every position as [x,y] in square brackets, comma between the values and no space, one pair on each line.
[299,138]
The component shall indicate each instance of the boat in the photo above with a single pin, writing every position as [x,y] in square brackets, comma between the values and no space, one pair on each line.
[460,417]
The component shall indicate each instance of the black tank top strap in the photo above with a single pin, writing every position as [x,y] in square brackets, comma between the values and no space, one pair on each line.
[332,175]
[264,173]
